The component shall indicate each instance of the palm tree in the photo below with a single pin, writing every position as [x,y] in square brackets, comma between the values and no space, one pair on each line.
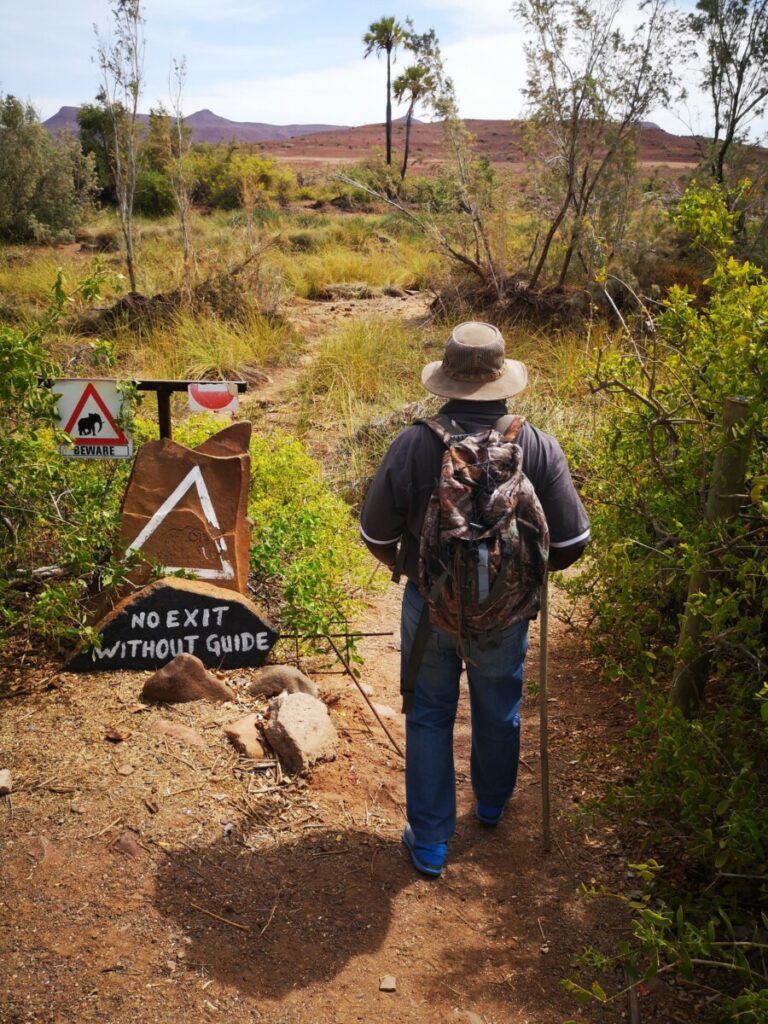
[384,36]
[415,84]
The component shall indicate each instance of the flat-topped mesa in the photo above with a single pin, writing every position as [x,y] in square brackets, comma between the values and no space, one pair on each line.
[175,616]
[185,508]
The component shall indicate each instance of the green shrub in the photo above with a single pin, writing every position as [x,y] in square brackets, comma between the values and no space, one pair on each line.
[154,194]
[701,782]
[46,185]
[228,177]
[308,564]
[53,511]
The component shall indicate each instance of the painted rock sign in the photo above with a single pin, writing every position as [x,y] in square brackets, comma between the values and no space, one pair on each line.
[186,509]
[174,616]
[89,411]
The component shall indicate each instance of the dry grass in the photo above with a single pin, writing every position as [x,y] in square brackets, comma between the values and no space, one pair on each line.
[208,348]
[310,273]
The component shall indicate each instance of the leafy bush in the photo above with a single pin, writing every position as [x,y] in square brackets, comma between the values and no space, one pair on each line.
[308,565]
[46,186]
[59,516]
[704,784]
[228,177]
[154,194]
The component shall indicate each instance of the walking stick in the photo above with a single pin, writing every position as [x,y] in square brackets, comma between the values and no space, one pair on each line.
[543,738]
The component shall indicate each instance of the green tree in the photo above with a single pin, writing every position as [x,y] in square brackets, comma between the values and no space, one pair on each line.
[121,62]
[95,130]
[414,85]
[46,185]
[590,84]
[734,34]
[384,36]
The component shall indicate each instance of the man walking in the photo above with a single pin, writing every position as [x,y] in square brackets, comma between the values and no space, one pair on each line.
[476,379]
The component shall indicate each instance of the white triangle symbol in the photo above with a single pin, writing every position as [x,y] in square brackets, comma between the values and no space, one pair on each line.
[194,478]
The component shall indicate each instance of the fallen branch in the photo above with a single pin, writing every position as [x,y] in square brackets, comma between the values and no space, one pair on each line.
[218,917]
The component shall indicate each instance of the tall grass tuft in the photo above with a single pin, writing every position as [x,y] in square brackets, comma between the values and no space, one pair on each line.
[193,347]
[364,366]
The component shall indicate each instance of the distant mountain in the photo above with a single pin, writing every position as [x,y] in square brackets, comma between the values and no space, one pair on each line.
[209,127]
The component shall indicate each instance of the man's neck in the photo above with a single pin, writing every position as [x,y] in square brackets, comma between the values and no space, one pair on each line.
[474,407]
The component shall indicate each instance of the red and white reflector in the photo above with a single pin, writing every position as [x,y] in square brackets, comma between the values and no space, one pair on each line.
[213,396]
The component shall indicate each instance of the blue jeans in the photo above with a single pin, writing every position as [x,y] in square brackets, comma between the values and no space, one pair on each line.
[495,693]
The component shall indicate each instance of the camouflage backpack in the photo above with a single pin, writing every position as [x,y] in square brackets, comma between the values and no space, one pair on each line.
[484,541]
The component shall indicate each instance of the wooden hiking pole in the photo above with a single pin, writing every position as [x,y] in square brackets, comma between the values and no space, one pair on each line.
[543,726]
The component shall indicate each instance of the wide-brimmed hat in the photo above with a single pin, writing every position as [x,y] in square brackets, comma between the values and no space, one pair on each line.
[473,366]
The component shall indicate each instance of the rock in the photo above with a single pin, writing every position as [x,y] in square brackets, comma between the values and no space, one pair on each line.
[177,731]
[116,735]
[469,1017]
[184,679]
[349,290]
[6,782]
[186,508]
[126,843]
[387,983]
[125,769]
[245,737]
[175,616]
[300,731]
[274,679]
[367,690]
[385,711]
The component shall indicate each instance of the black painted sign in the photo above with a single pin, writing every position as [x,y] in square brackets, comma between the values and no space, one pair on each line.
[174,616]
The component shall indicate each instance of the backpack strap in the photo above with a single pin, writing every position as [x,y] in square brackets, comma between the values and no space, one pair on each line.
[402,553]
[509,427]
[445,428]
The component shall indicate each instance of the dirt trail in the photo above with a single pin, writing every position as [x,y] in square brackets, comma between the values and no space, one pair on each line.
[149,881]
[275,402]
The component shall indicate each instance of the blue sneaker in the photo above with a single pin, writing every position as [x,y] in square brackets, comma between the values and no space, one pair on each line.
[428,858]
[488,815]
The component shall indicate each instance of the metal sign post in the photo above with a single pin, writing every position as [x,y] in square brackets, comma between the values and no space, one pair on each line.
[164,389]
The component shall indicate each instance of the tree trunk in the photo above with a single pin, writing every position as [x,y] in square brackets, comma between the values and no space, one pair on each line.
[407,142]
[389,109]
[723,502]
[548,240]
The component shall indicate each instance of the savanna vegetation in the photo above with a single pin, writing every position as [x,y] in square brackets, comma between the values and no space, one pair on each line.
[640,303]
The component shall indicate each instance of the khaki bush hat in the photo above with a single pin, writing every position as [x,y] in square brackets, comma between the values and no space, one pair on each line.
[473,366]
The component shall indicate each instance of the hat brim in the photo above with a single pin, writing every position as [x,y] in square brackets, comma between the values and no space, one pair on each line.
[512,381]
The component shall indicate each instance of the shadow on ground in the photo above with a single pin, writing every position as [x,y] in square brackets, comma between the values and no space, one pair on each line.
[294,914]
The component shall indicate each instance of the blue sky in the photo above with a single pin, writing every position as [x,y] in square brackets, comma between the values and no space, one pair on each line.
[280,62]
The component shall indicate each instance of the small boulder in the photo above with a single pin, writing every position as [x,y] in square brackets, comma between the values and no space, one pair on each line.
[385,711]
[184,679]
[177,731]
[6,782]
[126,843]
[245,737]
[300,731]
[275,679]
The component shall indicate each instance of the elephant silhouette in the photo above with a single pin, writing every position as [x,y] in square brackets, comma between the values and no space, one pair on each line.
[88,424]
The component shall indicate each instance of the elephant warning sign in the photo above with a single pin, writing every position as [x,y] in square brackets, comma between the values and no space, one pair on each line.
[89,411]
